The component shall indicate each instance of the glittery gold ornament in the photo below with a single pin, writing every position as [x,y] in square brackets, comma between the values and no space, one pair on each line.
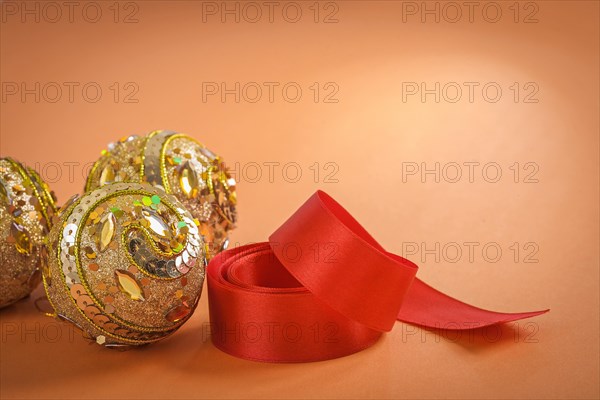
[26,210]
[126,264]
[181,166]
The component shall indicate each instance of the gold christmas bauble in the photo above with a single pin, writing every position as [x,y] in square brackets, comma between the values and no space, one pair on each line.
[26,210]
[181,166]
[125,264]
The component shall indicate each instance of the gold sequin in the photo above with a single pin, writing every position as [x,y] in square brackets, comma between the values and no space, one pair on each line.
[89,252]
[178,313]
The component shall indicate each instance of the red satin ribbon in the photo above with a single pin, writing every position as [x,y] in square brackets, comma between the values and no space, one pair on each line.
[322,288]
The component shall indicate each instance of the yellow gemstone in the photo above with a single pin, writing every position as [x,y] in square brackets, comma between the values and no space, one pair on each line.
[129,285]
[188,180]
[156,224]
[107,175]
[106,232]
[22,242]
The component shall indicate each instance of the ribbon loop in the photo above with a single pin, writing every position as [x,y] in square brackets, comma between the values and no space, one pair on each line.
[341,264]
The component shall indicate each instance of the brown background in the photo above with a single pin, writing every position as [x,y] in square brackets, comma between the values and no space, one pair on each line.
[367,135]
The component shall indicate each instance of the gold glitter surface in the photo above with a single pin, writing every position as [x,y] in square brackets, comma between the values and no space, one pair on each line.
[126,293]
[181,166]
[26,210]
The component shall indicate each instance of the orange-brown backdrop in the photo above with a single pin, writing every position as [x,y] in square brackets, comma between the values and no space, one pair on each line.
[436,124]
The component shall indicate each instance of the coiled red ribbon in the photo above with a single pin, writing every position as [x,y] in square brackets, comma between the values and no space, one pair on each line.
[322,288]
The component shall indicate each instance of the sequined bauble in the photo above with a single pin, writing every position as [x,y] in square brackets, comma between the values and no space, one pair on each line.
[26,210]
[179,165]
[126,264]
